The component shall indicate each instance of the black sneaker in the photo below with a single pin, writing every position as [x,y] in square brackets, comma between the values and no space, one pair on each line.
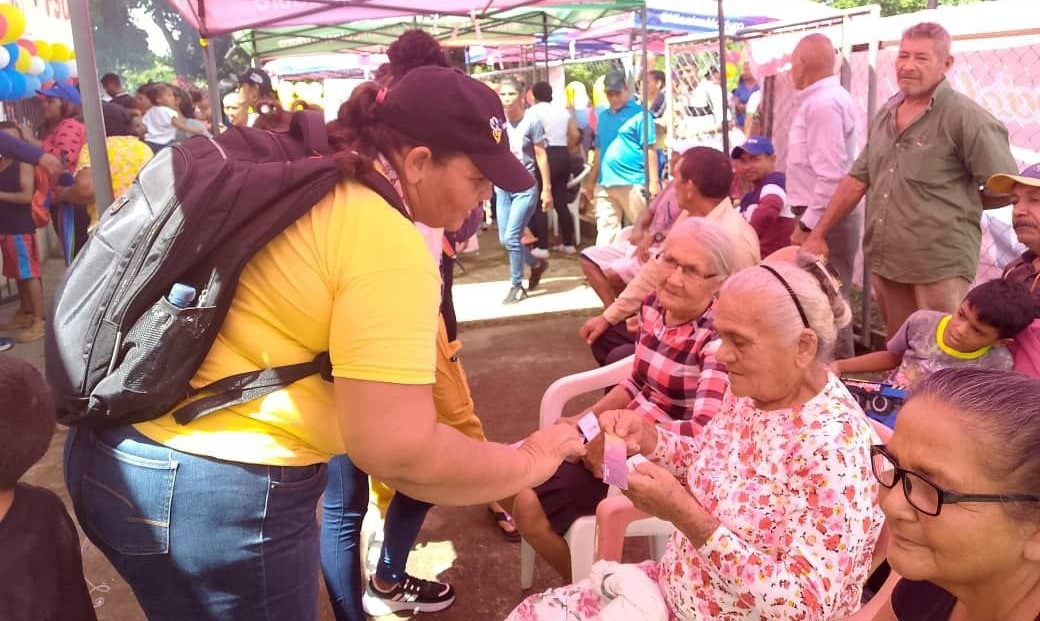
[411,593]
[536,273]
[516,294]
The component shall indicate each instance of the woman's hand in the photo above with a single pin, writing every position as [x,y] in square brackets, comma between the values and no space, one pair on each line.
[548,447]
[593,328]
[643,246]
[654,490]
[639,434]
[632,324]
[594,456]
[547,199]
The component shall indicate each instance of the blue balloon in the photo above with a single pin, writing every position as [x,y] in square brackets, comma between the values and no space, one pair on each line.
[48,73]
[18,85]
[32,84]
[5,86]
[61,71]
[14,51]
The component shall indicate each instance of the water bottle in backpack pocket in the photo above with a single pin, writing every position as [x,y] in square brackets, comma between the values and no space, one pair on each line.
[179,325]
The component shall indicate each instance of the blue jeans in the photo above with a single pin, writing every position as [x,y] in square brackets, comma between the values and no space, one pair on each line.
[343,510]
[197,537]
[514,211]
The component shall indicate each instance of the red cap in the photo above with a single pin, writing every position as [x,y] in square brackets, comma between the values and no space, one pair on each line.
[449,110]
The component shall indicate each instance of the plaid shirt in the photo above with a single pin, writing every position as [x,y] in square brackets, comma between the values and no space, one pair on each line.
[676,379]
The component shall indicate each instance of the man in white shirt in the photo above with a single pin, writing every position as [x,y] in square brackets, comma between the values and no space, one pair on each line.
[561,135]
[821,149]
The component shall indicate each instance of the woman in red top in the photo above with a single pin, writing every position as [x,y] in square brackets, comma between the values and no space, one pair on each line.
[63,135]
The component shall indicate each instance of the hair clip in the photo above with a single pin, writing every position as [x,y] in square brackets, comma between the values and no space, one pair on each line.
[381,95]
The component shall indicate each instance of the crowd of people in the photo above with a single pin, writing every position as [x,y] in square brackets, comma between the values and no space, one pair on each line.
[734,313]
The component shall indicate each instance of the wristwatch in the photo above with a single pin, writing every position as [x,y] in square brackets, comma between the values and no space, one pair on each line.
[802,227]
[659,237]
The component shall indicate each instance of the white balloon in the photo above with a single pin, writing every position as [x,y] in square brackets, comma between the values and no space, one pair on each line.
[36,66]
[73,70]
[5,57]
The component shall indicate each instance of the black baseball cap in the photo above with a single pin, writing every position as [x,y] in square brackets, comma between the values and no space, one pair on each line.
[449,110]
[615,81]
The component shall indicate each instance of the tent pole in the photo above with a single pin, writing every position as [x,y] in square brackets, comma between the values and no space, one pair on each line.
[671,103]
[216,106]
[256,55]
[644,73]
[545,42]
[725,85]
[83,41]
[872,54]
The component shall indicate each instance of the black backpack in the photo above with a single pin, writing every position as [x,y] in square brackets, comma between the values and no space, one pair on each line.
[117,350]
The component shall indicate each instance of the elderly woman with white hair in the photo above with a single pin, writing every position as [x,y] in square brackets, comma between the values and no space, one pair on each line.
[676,380]
[774,502]
[961,479]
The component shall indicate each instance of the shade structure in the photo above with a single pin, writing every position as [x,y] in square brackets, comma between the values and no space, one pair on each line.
[575,29]
[513,28]
[215,17]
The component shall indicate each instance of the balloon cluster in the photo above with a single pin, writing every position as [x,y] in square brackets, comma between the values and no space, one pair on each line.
[27,66]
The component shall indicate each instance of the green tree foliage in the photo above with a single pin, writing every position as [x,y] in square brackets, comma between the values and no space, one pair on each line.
[122,47]
[894,7]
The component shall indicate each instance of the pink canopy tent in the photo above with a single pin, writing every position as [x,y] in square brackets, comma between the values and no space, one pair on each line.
[213,18]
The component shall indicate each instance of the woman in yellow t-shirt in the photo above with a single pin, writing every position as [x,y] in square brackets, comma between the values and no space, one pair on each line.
[216,519]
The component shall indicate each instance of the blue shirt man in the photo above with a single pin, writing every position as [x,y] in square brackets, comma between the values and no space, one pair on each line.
[621,160]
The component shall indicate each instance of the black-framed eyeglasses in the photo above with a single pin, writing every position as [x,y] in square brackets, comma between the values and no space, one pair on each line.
[690,272]
[922,494]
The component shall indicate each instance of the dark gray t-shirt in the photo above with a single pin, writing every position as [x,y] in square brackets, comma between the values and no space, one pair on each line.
[523,135]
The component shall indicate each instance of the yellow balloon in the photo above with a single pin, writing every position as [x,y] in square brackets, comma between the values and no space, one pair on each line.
[24,60]
[15,23]
[43,50]
[60,52]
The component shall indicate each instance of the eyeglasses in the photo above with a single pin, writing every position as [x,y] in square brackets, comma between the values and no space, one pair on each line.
[922,494]
[689,272]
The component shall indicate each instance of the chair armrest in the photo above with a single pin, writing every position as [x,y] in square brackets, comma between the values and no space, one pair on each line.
[613,515]
[566,388]
[577,179]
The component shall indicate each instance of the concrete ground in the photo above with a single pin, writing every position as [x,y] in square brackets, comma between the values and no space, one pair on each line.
[511,355]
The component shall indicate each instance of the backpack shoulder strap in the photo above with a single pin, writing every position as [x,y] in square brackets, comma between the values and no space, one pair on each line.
[244,387]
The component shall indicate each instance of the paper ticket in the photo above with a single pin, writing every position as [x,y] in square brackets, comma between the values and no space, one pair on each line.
[589,426]
[615,464]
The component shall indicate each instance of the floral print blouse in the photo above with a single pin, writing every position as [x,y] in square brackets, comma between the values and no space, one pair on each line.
[797,505]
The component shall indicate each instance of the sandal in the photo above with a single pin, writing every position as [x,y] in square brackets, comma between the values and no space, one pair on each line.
[503,516]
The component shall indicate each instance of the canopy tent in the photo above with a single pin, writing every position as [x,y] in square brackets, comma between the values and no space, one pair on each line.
[322,66]
[574,29]
[213,18]
[513,29]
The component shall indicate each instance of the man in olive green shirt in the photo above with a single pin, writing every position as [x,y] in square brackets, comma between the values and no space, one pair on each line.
[929,152]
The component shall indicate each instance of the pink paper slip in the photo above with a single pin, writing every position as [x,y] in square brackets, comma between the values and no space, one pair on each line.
[615,464]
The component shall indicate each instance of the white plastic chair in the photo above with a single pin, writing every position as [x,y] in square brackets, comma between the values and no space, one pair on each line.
[574,206]
[581,537]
